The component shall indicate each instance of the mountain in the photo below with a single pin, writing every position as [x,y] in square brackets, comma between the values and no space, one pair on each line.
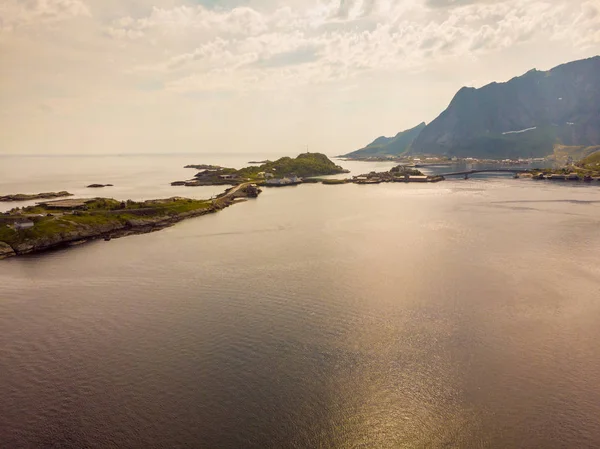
[384,146]
[524,117]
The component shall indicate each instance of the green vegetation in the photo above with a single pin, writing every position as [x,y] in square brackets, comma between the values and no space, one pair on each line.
[36,196]
[305,165]
[7,235]
[565,154]
[586,168]
[592,161]
[101,212]
[401,170]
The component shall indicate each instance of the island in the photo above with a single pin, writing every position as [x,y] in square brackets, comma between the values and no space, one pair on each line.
[587,168]
[60,223]
[98,186]
[399,173]
[35,196]
[203,167]
[283,171]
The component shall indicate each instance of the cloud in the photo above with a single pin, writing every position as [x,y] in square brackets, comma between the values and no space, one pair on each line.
[15,14]
[243,48]
[290,58]
[454,3]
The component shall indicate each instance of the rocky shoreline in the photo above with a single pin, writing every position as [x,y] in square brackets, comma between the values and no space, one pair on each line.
[115,229]
[35,196]
[95,232]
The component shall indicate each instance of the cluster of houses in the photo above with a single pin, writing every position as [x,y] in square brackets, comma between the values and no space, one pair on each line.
[210,175]
[392,176]
[563,177]
[285,181]
[24,222]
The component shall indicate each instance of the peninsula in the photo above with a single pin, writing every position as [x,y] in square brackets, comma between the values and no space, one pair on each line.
[35,196]
[585,169]
[54,224]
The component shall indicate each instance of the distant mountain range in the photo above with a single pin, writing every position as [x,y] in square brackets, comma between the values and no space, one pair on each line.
[383,146]
[524,117]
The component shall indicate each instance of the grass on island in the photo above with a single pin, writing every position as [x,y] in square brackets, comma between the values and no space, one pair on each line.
[587,162]
[592,161]
[305,165]
[564,154]
[100,212]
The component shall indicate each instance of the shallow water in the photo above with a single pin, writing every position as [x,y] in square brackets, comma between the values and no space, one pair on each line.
[457,314]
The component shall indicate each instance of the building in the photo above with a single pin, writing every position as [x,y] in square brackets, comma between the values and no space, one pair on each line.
[25,224]
[288,181]
[414,178]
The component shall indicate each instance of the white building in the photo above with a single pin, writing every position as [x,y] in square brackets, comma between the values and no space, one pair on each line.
[27,224]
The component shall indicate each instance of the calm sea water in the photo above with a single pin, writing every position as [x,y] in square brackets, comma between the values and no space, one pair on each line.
[459,314]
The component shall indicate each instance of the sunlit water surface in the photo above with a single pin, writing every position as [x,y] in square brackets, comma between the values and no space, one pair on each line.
[458,314]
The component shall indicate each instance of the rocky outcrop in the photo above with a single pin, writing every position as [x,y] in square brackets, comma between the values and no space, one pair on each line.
[524,117]
[6,250]
[35,196]
[84,233]
[98,186]
[32,245]
[204,167]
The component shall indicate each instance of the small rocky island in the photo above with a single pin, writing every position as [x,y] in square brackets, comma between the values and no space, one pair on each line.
[400,173]
[204,167]
[283,171]
[35,196]
[98,186]
[53,224]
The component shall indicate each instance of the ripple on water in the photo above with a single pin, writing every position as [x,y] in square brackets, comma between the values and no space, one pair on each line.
[396,316]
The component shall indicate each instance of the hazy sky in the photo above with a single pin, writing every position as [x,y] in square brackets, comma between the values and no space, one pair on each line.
[119,76]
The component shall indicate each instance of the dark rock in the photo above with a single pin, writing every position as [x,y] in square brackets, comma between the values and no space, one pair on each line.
[204,167]
[97,186]
[6,250]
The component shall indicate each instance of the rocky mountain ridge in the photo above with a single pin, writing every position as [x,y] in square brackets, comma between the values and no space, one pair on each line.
[525,116]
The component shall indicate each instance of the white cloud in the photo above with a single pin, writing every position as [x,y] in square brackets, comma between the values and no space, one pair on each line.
[141,69]
[17,13]
[346,37]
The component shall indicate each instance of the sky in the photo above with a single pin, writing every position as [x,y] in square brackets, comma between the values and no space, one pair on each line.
[260,76]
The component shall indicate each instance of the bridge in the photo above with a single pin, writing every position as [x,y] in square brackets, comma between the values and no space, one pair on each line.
[488,170]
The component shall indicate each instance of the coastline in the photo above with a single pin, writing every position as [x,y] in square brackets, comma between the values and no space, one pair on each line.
[116,228]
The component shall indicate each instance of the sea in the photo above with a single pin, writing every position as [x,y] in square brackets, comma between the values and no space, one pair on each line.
[460,314]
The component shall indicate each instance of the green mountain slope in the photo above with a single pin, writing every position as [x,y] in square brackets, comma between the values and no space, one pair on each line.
[384,146]
[305,164]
